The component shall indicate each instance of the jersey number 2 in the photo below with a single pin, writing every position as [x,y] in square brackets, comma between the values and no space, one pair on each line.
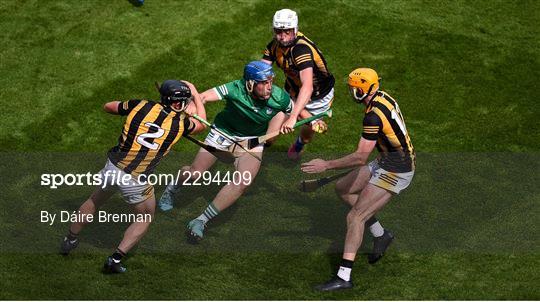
[159,133]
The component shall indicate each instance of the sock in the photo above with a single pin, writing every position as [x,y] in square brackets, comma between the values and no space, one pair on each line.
[72,236]
[298,144]
[345,269]
[209,213]
[375,227]
[173,188]
[118,255]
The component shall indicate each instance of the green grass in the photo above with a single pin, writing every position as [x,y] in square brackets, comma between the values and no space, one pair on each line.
[464,73]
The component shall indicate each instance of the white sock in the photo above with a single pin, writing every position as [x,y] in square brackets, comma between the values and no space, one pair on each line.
[209,213]
[344,273]
[171,188]
[376,229]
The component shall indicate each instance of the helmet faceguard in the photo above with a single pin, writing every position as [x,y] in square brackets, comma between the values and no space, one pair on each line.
[362,83]
[255,72]
[174,91]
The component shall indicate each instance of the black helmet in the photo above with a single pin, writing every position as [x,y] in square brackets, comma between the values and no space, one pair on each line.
[173,91]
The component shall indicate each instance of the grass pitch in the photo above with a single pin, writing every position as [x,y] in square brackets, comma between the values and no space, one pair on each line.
[466,78]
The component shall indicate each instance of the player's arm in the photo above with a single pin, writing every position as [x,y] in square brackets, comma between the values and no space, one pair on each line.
[355,159]
[268,55]
[358,158]
[218,93]
[370,133]
[303,59]
[120,108]
[306,77]
[194,125]
[210,95]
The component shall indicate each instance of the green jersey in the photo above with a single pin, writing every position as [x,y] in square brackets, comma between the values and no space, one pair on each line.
[245,116]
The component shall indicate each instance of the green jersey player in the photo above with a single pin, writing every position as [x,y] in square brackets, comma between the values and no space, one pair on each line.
[251,103]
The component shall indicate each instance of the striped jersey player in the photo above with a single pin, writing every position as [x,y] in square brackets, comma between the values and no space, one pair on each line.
[149,132]
[369,186]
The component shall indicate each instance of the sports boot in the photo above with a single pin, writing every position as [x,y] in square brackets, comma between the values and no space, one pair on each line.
[195,231]
[380,244]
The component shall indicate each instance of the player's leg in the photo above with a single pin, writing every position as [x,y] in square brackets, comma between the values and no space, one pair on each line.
[370,201]
[348,188]
[140,195]
[136,230]
[305,136]
[247,168]
[133,234]
[89,207]
[203,161]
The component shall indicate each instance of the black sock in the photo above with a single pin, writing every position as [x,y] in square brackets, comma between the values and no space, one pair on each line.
[118,255]
[72,236]
[372,220]
[346,263]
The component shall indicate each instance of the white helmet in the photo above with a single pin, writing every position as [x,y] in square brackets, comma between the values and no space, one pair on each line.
[285,19]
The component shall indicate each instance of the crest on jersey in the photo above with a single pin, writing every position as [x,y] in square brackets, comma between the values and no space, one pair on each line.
[269,110]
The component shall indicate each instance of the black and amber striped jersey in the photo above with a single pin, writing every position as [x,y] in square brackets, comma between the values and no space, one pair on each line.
[303,54]
[148,135]
[384,123]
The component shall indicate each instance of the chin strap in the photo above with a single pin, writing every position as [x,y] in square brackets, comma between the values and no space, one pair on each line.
[361,98]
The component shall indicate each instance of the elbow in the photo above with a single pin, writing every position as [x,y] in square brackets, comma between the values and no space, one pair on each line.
[111,107]
[107,108]
[361,159]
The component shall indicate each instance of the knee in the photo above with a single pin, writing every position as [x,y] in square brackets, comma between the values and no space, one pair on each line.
[240,188]
[356,216]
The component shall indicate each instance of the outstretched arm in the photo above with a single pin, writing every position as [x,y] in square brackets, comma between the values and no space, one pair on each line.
[210,95]
[355,159]
[111,107]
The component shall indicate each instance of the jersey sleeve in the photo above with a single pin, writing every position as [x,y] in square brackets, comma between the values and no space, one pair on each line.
[189,126]
[225,90]
[302,56]
[372,125]
[124,108]
[269,54]
[287,103]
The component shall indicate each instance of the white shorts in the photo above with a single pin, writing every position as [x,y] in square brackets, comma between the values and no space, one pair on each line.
[391,181]
[218,141]
[131,189]
[320,105]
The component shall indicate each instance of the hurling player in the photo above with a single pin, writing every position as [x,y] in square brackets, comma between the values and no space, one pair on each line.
[149,132]
[250,104]
[371,185]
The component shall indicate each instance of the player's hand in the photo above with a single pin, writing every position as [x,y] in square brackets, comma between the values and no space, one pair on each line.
[315,166]
[191,109]
[319,126]
[191,87]
[288,126]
